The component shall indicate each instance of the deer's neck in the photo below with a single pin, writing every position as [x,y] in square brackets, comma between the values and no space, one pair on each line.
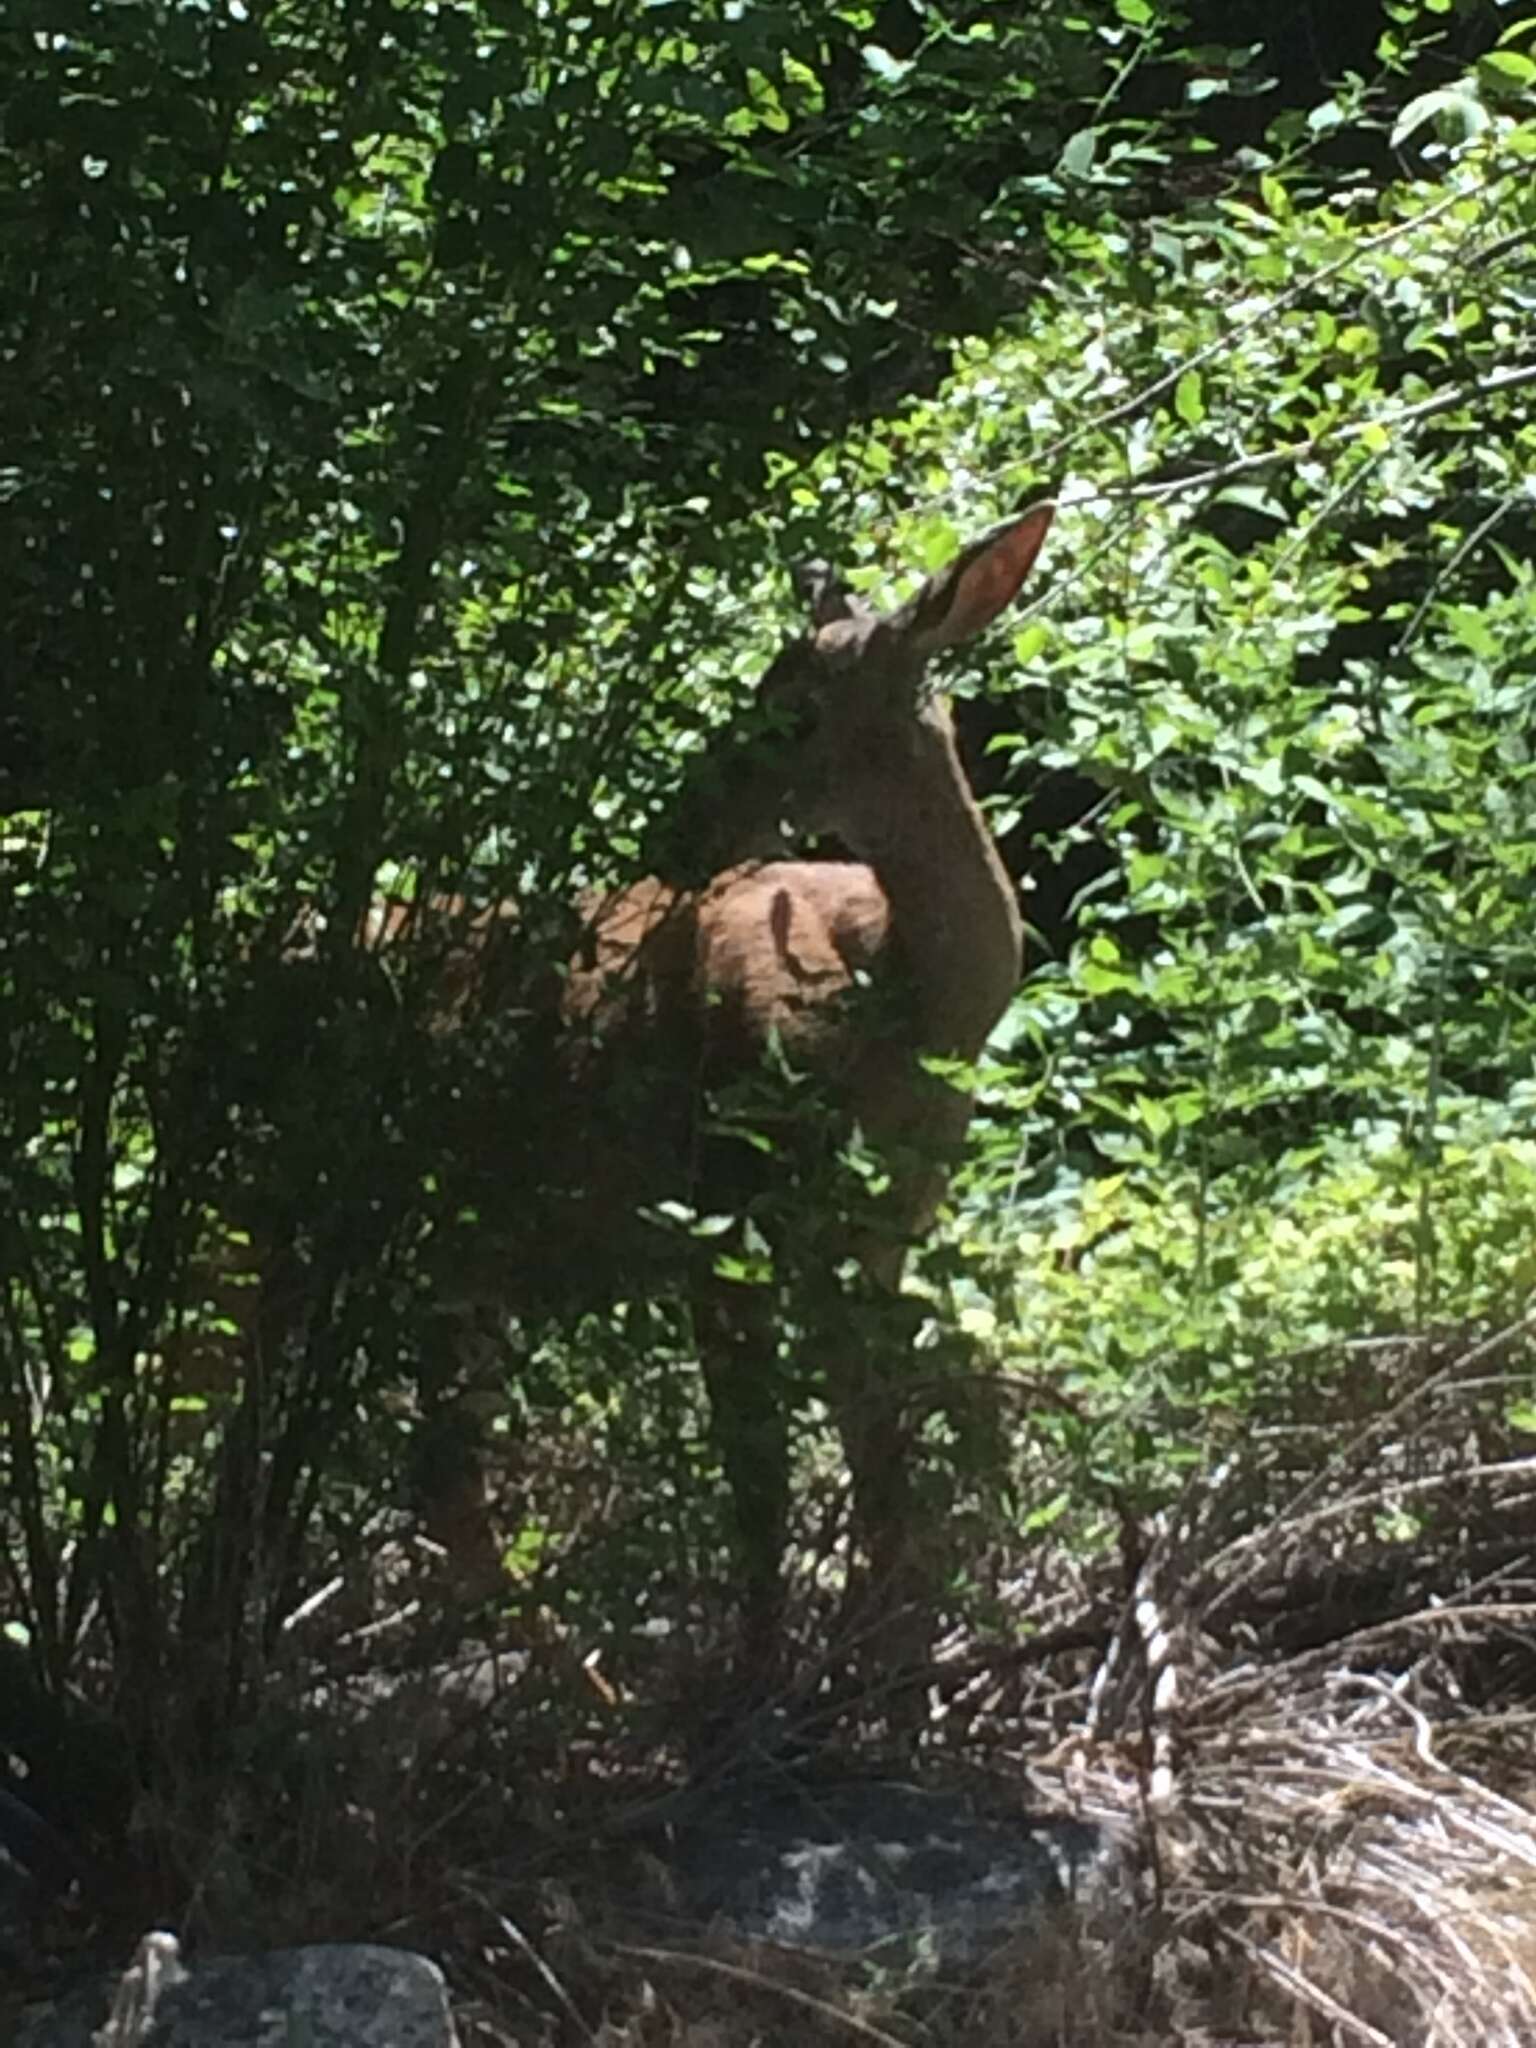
[954,916]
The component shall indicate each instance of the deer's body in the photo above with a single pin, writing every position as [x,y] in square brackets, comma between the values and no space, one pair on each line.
[856,972]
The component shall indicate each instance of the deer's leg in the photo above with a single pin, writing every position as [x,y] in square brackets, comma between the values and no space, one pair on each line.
[459,1392]
[749,1419]
[866,1341]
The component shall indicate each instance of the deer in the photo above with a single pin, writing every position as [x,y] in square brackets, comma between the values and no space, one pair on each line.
[879,976]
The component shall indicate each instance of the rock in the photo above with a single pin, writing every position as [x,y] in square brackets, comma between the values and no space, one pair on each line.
[849,1867]
[359,1996]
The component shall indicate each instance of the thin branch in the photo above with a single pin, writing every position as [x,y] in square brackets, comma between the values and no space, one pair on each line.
[1297,451]
[1128,408]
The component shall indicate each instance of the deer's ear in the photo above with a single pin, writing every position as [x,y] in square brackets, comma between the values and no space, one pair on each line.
[982,581]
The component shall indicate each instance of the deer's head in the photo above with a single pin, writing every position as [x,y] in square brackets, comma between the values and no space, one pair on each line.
[843,715]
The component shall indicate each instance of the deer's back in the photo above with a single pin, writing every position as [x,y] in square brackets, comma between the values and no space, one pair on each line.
[768,953]
[671,999]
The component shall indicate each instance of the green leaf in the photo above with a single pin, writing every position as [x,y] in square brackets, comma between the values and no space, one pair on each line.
[1253,498]
[1456,111]
[1078,153]
[1508,66]
[885,67]
[1472,629]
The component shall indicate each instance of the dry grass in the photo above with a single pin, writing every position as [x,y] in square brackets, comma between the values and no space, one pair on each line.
[1313,1722]
[1303,1703]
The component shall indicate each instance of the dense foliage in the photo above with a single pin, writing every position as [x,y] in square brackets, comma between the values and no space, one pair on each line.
[374,414]
[1281,1091]
[401,404]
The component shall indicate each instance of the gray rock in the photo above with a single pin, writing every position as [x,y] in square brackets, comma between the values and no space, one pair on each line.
[863,1865]
[327,1997]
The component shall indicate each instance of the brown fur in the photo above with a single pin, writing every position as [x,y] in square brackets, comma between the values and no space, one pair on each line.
[854,971]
